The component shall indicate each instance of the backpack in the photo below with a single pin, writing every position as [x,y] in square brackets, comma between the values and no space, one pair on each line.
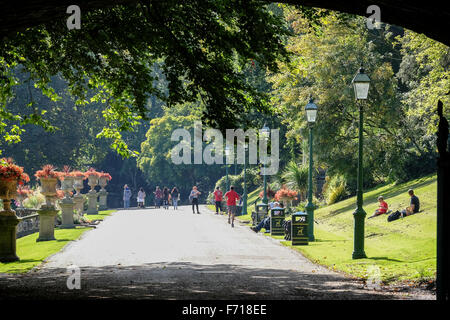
[394,216]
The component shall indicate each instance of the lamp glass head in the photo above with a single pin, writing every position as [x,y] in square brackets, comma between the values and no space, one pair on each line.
[311,111]
[265,132]
[361,84]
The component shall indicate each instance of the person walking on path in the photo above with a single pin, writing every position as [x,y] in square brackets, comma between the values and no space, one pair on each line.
[231,197]
[194,198]
[126,196]
[175,197]
[218,197]
[158,197]
[166,198]
[141,198]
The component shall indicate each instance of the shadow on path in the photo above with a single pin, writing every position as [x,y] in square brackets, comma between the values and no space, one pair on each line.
[185,281]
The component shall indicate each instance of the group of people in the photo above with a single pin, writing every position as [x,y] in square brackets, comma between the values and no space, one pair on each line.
[414,206]
[165,197]
[162,197]
[231,197]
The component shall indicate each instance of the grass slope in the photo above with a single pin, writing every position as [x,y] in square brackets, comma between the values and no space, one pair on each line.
[404,249]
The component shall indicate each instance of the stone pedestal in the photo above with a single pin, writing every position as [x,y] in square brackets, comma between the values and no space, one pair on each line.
[47,216]
[8,229]
[67,207]
[79,204]
[102,196]
[92,202]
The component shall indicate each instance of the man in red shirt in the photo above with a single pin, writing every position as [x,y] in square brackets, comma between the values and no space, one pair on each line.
[218,200]
[383,208]
[231,196]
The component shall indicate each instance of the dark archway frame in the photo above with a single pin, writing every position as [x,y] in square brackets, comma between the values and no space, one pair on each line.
[427,17]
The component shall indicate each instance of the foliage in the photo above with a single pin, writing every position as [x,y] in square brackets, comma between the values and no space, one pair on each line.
[295,176]
[48,171]
[324,58]
[335,189]
[113,54]
[34,201]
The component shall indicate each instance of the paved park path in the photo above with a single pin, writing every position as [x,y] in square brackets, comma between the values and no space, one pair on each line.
[168,254]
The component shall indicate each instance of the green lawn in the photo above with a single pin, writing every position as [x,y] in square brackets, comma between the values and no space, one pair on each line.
[100,216]
[404,249]
[32,253]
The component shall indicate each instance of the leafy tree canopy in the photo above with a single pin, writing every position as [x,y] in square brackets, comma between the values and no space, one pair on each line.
[200,45]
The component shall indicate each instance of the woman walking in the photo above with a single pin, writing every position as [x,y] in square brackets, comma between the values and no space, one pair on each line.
[141,198]
[194,198]
[166,198]
[158,197]
[175,197]
[126,196]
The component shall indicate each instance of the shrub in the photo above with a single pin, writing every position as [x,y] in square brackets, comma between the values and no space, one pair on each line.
[34,201]
[335,189]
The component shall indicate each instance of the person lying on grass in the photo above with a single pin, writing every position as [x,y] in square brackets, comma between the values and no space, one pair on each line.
[382,209]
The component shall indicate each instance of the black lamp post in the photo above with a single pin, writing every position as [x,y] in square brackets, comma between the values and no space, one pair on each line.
[311,114]
[265,131]
[361,83]
[244,205]
[227,153]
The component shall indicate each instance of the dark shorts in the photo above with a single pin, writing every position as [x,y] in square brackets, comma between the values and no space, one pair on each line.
[232,209]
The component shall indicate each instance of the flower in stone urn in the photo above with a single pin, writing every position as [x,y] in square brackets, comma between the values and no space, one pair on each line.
[22,194]
[92,177]
[78,176]
[67,180]
[103,180]
[10,175]
[48,178]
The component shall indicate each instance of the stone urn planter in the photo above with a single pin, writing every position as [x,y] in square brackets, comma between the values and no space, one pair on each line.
[8,222]
[67,204]
[92,195]
[47,212]
[48,190]
[103,194]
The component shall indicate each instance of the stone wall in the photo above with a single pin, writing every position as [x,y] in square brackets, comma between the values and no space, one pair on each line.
[29,223]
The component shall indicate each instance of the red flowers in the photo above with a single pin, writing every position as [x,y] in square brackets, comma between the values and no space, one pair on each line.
[92,172]
[48,171]
[77,174]
[285,194]
[11,171]
[23,190]
[105,175]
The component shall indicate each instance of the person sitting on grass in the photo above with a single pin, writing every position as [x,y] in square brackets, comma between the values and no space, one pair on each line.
[414,204]
[382,209]
[265,223]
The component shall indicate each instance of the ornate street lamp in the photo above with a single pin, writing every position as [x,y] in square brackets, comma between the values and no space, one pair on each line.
[361,83]
[244,205]
[227,153]
[265,132]
[311,115]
